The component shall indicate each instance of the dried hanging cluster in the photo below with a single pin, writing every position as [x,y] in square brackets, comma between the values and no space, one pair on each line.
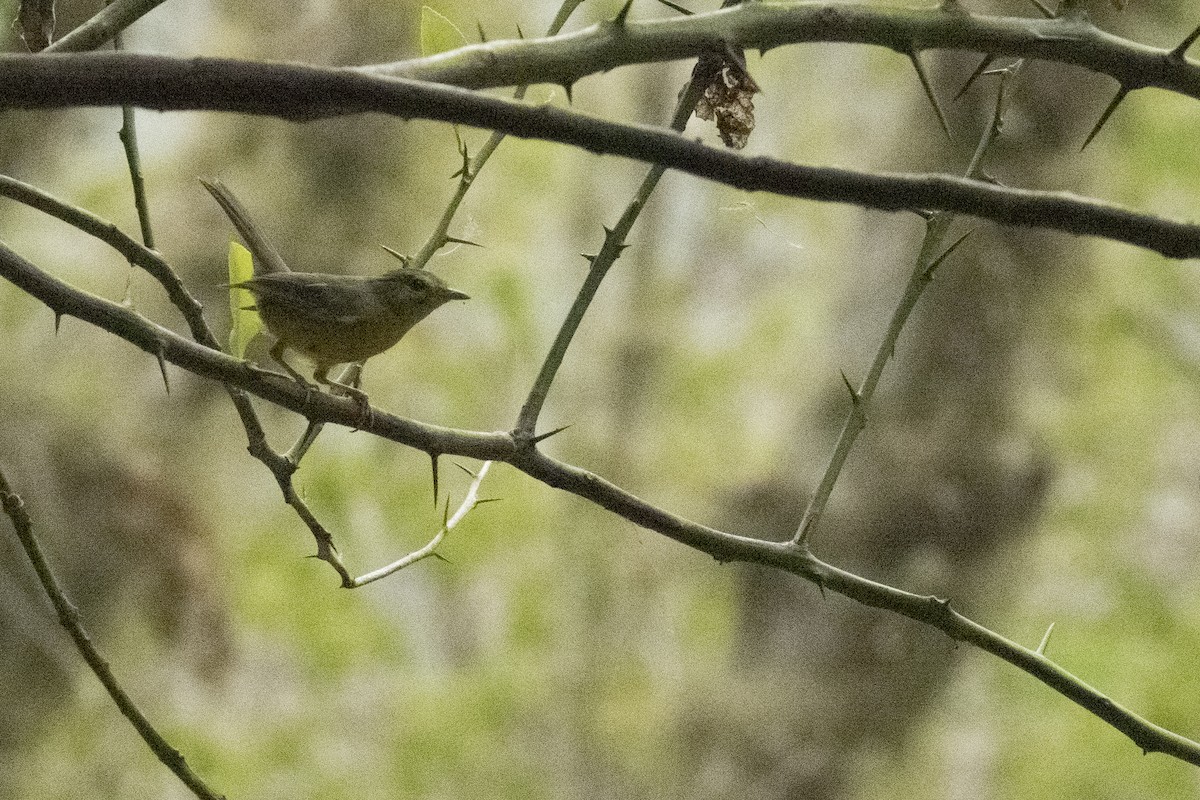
[728,97]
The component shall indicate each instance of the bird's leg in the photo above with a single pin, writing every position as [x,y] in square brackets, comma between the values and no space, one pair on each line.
[276,352]
[366,415]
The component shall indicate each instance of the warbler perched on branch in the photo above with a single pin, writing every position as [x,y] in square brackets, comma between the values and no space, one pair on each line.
[331,319]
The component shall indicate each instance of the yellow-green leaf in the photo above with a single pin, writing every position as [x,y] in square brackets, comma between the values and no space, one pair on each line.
[245,325]
[438,34]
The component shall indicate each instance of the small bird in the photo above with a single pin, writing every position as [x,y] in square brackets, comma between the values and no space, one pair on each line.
[331,319]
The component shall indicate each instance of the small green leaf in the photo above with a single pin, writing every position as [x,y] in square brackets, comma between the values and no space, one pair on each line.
[245,325]
[438,34]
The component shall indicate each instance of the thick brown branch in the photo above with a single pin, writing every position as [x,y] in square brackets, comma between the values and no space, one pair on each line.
[109,316]
[566,58]
[302,92]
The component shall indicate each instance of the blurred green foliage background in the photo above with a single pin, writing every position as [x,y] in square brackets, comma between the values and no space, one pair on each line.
[1032,454]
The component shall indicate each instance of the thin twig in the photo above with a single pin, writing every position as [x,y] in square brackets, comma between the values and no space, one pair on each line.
[468,504]
[932,253]
[600,263]
[133,158]
[116,17]
[69,618]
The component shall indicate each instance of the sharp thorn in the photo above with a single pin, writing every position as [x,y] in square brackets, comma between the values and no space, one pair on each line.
[569,89]
[403,258]
[57,321]
[464,469]
[1179,51]
[1112,106]
[937,262]
[928,87]
[675,7]
[1041,648]
[854,396]
[544,436]
[482,35]
[162,367]
[623,14]
[1045,11]
[433,457]
[520,33]
[980,70]
[456,240]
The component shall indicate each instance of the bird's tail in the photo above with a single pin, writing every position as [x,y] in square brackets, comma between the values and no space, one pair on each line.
[266,259]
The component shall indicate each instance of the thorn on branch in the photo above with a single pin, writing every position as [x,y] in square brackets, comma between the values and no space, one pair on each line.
[58,315]
[403,258]
[983,65]
[1046,12]
[937,262]
[162,367]
[1178,53]
[544,436]
[433,457]
[623,14]
[855,397]
[1041,648]
[569,88]
[482,36]
[1112,106]
[676,7]
[928,87]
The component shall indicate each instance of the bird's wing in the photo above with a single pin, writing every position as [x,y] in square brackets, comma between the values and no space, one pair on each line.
[322,299]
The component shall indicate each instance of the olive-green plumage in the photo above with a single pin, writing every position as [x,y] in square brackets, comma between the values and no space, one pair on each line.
[332,319]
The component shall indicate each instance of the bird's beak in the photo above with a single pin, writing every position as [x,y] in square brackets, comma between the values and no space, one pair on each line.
[452,294]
